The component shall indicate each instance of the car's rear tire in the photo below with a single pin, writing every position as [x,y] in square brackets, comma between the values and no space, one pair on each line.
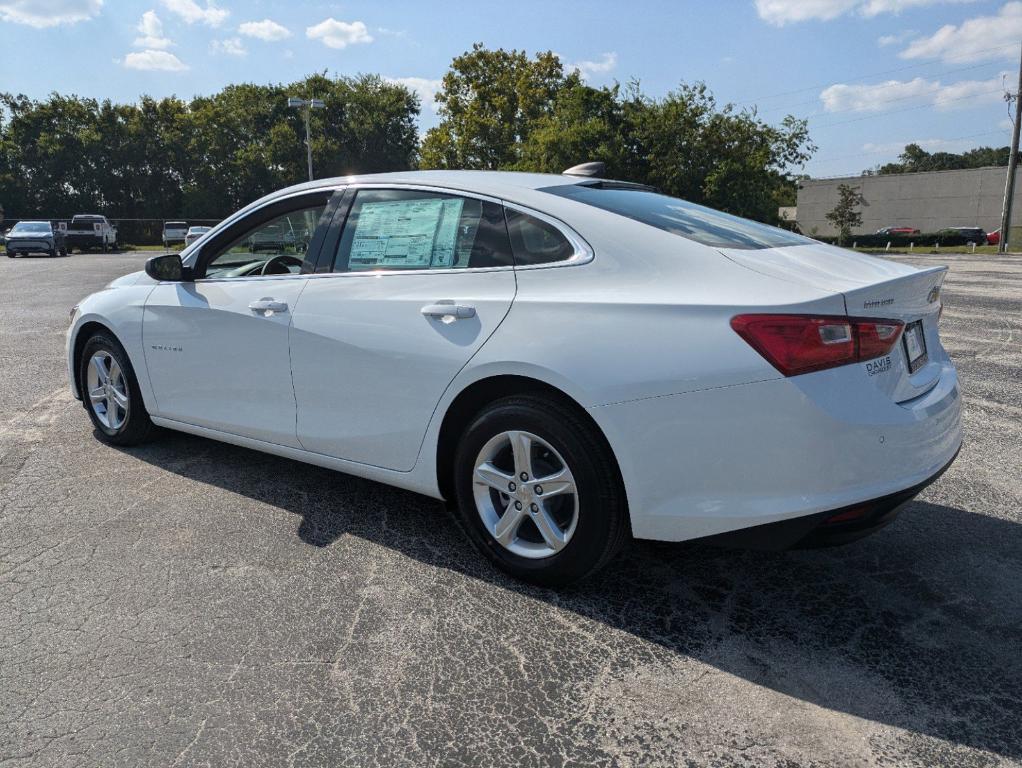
[117,410]
[554,535]
[64,251]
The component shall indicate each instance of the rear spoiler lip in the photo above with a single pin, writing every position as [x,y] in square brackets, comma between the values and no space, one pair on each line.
[880,298]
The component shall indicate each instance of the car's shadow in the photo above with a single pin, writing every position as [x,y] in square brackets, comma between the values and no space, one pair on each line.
[918,626]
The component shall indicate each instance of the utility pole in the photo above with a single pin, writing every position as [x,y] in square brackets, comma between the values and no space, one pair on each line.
[1009,181]
[306,105]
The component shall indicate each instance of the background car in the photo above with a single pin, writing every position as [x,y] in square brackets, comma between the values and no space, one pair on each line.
[88,231]
[569,360]
[971,234]
[994,238]
[174,232]
[897,231]
[35,237]
[269,238]
[194,233]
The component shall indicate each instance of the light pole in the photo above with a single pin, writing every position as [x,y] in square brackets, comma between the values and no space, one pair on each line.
[307,105]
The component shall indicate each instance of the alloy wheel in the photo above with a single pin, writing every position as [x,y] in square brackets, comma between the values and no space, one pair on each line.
[525,494]
[108,390]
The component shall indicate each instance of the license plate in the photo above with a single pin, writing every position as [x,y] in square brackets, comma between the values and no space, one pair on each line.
[915,345]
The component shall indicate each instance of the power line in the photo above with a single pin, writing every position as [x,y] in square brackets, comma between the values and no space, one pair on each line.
[884,101]
[885,113]
[888,151]
[867,76]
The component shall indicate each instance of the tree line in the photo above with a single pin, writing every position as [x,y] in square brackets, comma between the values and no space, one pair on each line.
[915,159]
[498,109]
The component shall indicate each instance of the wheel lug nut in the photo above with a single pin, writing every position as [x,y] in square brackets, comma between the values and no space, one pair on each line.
[534,507]
[511,486]
[524,476]
[518,505]
[539,489]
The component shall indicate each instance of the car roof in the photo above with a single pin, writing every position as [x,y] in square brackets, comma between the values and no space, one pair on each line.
[494,183]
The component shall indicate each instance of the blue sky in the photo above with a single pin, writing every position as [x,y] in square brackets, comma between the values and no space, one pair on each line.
[871,75]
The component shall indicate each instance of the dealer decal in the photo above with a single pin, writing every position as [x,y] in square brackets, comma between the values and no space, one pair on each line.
[880,365]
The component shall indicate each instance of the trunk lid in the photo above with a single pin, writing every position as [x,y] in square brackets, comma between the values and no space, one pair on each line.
[871,287]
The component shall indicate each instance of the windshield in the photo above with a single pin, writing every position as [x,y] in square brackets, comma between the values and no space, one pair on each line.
[679,217]
[31,226]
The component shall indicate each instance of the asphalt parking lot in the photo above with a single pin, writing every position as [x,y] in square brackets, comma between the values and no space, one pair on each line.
[192,603]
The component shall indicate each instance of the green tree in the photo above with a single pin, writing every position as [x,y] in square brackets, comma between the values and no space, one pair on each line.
[915,159]
[161,158]
[502,110]
[846,214]
[489,104]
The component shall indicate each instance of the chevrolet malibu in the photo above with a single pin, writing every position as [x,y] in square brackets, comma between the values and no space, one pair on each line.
[569,361]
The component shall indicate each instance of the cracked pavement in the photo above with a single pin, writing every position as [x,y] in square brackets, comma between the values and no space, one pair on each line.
[193,603]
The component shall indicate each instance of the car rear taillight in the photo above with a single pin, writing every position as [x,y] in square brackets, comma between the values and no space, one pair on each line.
[796,344]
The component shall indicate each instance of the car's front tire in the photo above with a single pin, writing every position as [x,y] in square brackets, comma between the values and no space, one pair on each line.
[110,392]
[539,491]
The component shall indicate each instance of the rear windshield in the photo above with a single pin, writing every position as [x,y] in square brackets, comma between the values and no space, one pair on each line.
[679,217]
[86,220]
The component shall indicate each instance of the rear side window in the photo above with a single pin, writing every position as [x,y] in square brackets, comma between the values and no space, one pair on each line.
[680,217]
[397,229]
[534,241]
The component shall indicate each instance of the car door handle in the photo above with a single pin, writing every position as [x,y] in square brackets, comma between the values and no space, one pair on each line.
[268,305]
[448,309]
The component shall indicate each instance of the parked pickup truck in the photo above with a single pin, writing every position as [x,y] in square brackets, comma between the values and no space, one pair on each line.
[88,231]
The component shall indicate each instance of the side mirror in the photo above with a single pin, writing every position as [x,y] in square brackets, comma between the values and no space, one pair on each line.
[166,268]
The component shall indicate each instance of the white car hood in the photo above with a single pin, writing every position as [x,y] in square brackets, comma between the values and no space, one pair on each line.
[135,278]
[819,265]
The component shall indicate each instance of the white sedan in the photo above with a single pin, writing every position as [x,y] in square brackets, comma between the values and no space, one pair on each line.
[194,233]
[570,361]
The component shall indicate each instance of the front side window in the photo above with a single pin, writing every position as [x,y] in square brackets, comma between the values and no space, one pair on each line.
[274,247]
[396,229]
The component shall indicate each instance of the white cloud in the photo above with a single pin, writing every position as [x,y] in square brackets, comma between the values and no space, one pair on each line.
[424,87]
[232,46]
[984,37]
[154,60]
[901,37]
[781,12]
[192,12]
[339,34]
[151,33]
[880,96]
[607,62]
[48,13]
[267,30]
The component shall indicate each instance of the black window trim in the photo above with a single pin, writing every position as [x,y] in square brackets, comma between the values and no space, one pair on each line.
[583,252]
[324,266]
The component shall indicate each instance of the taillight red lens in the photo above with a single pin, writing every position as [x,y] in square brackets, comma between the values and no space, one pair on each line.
[796,344]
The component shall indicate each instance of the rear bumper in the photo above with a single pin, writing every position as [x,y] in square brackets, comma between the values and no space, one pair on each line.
[721,460]
[826,529]
[84,241]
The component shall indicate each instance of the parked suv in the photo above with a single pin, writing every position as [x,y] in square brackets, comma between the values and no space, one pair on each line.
[35,237]
[972,234]
[174,232]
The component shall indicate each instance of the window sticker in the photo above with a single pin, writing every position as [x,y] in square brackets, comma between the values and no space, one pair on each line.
[406,234]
